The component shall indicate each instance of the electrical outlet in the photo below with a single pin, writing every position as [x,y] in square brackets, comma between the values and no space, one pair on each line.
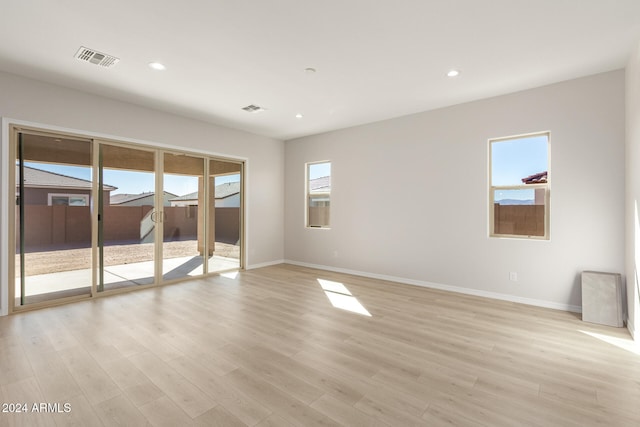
[513,276]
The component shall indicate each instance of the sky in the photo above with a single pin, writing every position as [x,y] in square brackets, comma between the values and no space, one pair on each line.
[515,159]
[511,161]
[134,182]
[318,170]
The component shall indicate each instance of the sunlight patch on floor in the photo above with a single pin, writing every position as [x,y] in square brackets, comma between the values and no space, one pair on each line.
[340,297]
[623,343]
[230,275]
[331,286]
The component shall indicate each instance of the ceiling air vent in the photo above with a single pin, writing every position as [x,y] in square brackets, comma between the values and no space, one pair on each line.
[253,108]
[95,57]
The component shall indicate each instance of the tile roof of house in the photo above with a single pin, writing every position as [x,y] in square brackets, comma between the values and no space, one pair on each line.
[537,178]
[190,196]
[221,191]
[40,178]
[320,185]
[227,189]
[118,199]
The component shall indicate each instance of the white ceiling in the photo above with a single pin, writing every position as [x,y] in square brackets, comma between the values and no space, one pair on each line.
[375,59]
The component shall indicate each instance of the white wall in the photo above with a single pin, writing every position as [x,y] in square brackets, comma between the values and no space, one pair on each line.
[633,190]
[42,103]
[437,163]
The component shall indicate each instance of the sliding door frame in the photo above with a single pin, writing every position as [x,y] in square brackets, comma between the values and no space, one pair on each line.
[97,191]
[14,127]
[15,133]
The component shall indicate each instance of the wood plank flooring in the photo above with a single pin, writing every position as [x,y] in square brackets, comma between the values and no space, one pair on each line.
[267,348]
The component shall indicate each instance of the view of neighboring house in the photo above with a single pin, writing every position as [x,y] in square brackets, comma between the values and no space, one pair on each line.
[142,199]
[58,209]
[190,199]
[539,193]
[319,190]
[537,178]
[125,215]
[319,193]
[320,185]
[227,196]
[525,215]
[51,189]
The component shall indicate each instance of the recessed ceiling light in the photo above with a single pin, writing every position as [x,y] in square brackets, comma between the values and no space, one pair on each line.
[299,116]
[157,66]
[453,73]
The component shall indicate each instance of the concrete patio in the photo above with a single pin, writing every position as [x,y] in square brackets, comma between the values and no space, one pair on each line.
[70,281]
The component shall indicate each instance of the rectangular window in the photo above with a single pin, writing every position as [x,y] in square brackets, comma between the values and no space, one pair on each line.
[519,186]
[318,194]
[68,199]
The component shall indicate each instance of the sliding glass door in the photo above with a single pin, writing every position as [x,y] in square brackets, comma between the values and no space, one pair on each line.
[53,235]
[225,215]
[127,217]
[100,216]
[183,212]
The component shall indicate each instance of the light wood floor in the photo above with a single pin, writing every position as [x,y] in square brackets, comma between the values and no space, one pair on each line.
[268,349]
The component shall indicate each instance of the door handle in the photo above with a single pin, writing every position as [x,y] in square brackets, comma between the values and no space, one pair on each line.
[154,216]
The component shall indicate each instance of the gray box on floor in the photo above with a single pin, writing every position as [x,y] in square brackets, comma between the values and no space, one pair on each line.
[602,298]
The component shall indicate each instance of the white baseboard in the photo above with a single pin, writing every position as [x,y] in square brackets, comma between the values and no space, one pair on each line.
[457,289]
[265,264]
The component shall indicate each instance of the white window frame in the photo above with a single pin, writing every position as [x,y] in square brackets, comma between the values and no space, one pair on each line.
[546,186]
[50,197]
[308,196]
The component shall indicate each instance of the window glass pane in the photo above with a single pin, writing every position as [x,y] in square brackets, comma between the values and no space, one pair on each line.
[519,178]
[224,215]
[318,200]
[77,201]
[318,215]
[318,194]
[183,223]
[55,246]
[320,176]
[514,197]
[519,212]
[516,159]
[128,218]
[59,200]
